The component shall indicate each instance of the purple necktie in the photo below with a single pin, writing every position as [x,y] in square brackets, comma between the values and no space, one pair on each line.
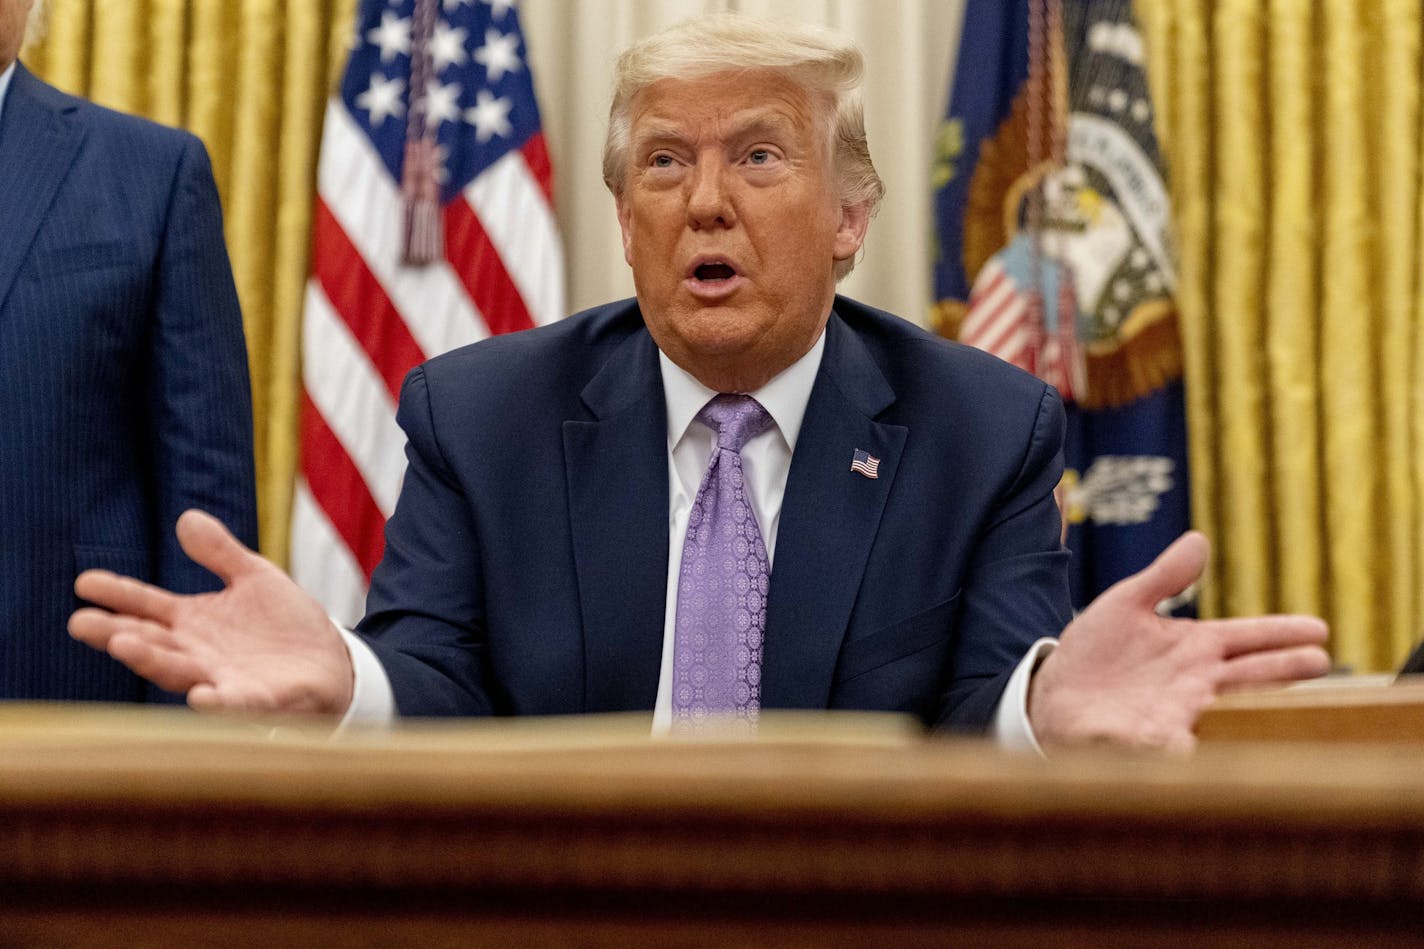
[722,583]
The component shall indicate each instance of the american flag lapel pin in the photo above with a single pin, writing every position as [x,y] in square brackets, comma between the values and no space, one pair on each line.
[863,462]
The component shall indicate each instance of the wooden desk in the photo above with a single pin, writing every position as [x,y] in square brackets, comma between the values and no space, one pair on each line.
[123,827]
[1374,711]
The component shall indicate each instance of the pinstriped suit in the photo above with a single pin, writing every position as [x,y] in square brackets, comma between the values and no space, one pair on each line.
[123,374]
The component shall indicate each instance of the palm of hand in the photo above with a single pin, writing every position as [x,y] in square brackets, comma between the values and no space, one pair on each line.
[259,644]
[1124,675]
[262,648]
[1143,686]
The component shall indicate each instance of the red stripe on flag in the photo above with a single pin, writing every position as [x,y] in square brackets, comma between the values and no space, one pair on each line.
[997,335]
[339,489]
[536,156]
[477,263]
[359,298]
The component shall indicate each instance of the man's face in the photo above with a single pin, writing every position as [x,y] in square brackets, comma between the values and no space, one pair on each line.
[13,14]
[732,223]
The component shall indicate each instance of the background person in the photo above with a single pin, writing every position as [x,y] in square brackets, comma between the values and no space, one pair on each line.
[123,371]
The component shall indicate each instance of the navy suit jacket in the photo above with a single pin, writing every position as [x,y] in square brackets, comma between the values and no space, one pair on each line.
[124,394]
[526,562]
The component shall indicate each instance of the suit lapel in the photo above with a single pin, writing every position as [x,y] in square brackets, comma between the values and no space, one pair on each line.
[829,519]
[617,473]
[36,135]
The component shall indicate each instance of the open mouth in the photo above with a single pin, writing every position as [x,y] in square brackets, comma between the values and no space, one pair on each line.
[713,272]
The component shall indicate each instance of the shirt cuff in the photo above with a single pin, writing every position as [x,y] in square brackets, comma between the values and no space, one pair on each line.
[1012,731]
[373,704]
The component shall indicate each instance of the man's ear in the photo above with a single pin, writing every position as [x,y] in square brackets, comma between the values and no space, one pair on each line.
[625,224]
[855,220]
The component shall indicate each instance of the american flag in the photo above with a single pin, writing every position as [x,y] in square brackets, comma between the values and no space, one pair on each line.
[865,463]
[1006,318]
[433,228]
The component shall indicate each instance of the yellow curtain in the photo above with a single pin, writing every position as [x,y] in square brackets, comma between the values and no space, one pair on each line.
[251,78]
[1292,130]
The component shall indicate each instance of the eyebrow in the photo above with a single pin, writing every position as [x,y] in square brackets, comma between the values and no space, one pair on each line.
[654,130]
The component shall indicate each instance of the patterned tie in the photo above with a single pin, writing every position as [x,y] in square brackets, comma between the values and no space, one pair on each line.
[722,583]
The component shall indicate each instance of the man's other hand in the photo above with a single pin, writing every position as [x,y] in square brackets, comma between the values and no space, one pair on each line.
[261,644]
[1124,675]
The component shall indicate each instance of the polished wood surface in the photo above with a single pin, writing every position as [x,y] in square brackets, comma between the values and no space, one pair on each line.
[135,827]
[1376,710]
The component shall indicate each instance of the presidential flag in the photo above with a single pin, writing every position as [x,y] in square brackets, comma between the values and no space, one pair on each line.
[1055,253]
[433,228]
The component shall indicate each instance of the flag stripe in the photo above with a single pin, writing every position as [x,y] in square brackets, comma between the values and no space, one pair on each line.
[479,268]
[360,300]
[536,156]
[520,223]
[337,486]
[322,563]
[342,383]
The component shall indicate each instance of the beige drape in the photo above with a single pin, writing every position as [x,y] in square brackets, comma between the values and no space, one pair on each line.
[1293,133]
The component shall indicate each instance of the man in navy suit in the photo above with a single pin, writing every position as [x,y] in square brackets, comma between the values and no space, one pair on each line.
[123,371]
[902,485]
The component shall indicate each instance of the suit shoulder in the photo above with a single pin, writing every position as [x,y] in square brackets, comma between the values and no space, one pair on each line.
[157,141]
[145,137]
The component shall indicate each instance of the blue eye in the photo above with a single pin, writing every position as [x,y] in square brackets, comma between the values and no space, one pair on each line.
[759,156]
[662,161]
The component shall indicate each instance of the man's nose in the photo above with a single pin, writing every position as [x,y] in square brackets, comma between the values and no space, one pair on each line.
[709,203]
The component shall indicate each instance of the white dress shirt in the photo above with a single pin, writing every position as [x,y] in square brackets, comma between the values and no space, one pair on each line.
[5,84]
[766,462]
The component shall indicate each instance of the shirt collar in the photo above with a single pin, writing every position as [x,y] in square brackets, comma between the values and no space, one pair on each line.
[785,397]
[5,78]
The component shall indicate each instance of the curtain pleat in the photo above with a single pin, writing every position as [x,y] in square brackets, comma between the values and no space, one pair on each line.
[1187,142]
[166,58]
[1349,323]
[115,73]
[254,102]
[1295,515]
[1238,219]
[1398,156]
[1293,135]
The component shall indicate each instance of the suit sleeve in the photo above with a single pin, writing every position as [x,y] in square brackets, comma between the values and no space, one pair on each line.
[199,396]
[425,615]
[1016,589]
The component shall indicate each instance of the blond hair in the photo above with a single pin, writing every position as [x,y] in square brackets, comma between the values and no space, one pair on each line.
[825,64]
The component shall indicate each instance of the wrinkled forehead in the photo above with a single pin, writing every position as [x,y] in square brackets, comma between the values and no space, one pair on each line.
[728,104]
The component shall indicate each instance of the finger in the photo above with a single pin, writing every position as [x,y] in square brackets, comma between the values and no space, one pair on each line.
[207,697]
[1252,634]
[203,697]
[94,627]
[205,539]
[1275,667]
[125,595]
[1175,569]
[168,669]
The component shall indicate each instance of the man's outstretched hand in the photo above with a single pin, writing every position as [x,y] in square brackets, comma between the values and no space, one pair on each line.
[260,644]
[1124,675]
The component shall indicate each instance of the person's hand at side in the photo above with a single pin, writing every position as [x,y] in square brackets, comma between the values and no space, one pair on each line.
[1124,675]
[260,644]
